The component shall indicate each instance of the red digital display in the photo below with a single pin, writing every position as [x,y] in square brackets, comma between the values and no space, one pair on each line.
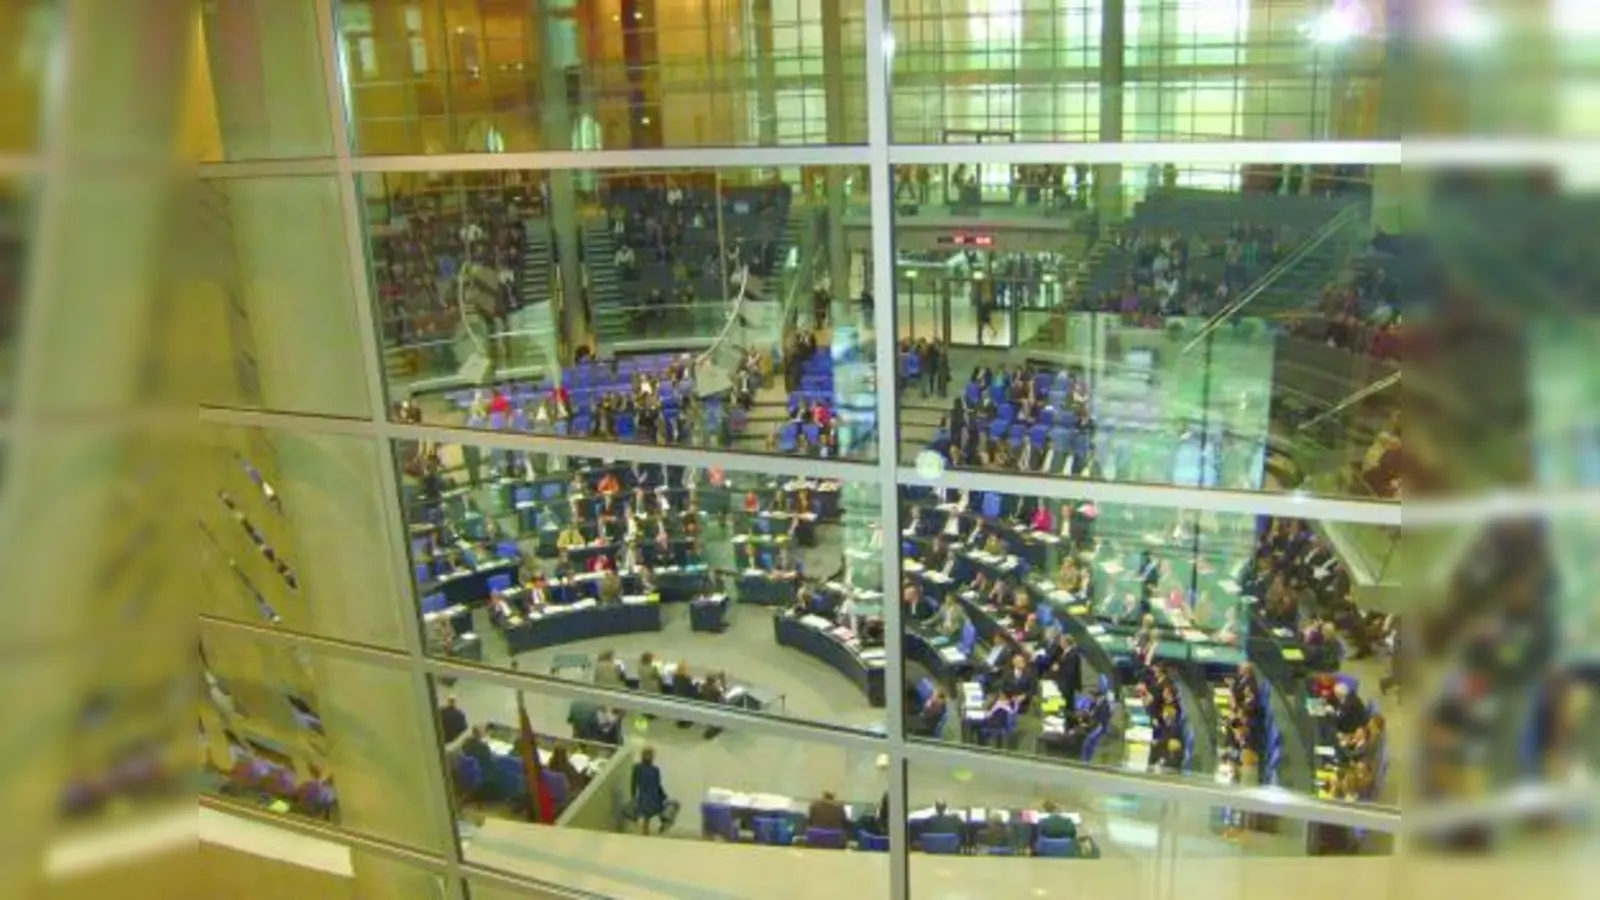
[968,240]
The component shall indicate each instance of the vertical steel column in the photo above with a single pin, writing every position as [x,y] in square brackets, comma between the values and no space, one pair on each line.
[880,56]
[435,801]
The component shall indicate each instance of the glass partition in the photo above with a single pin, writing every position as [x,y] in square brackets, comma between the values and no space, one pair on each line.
[1236,327]
[704,308]
[1229,648]
[661,808]
[701,584]
[1011,71]
[443,76]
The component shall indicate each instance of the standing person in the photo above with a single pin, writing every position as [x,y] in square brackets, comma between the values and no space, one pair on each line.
[472,458]
[941,376]
[930,367]
[644,785]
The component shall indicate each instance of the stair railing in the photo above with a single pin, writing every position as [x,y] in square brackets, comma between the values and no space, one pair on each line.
[1272,276]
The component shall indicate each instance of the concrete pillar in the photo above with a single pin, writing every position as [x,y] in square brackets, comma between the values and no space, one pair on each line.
[571,314]
[1109,203]
[266,65]
[293,279]
[833,80]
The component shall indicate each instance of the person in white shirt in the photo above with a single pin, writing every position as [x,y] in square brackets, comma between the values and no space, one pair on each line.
[846,614]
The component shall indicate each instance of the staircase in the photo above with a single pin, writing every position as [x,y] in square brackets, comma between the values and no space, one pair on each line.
[537,260]
[1297,287]
[606,297]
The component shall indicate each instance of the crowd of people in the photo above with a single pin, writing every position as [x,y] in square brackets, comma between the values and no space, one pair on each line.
[419,253]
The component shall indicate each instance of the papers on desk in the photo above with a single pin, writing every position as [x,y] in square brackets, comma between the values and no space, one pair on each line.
[1140,735]
[1153,539]
[640,599]
[875,654]
[1111,567]
[1326,752]
[585,603]
[952,654]
[1095,629]
[1294,654]
[811,620]
[499,748]
[1193,636]
[1054,725]
[912,565]
[1229,586]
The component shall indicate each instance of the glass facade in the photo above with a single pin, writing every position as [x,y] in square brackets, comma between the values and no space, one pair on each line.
[656,448]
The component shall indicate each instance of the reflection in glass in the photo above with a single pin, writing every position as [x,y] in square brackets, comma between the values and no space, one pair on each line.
[698,308]
[305,733]
[1005,71]
[1013,835]
[1225,647]
[448,77]
[680,800]
[702,584]
[1235,328]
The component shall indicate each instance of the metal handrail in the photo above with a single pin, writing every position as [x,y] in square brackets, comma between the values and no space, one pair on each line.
[1323,235]
[1357,396]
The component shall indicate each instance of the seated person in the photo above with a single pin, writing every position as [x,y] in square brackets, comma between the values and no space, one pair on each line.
[650,674]
[608,483]
[943,822]
[995,545]
[845,613]
[1350,713]
[1168,727]
[926,721]
[1020,608]
[608,671]
[939,558]
[538,593]
[610,586]
[952,617]
[994,833]
[1166,756]
[1054,825]
[1145,641]
[1042,520]
[571,538]
[500,609]
[827,813]
[916,606]
[1031,631]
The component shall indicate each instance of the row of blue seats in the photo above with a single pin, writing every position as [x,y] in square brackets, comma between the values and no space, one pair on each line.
[717,821]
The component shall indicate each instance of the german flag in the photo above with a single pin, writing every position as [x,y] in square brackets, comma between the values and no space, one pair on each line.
[541,805]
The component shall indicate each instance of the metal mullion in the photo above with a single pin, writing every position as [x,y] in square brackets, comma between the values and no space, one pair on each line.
[1112,781]
[787,466]
[351,840]
[881,189]
[1295,505]
[1208,153]
[435,794]
[548,685]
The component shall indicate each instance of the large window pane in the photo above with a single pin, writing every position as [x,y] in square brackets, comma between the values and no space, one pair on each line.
[1236,327]
[720,586]
[292,535]
[1152,60]
[1014,835]
[275,266]
[443,76]
[731,799]
[305,733]
[707,308]
[1188,643]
